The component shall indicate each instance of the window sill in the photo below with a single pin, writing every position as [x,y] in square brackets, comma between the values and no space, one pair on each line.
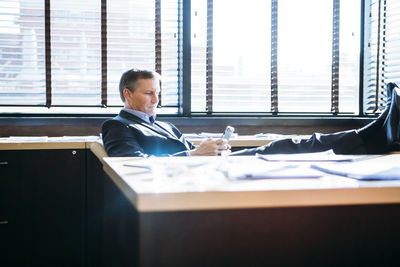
[24,120]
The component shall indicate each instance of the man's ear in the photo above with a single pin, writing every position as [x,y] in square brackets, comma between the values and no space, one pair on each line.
[126,93]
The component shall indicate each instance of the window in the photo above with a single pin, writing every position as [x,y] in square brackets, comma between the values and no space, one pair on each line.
[75,53]
[255,57]
[240,56]
[144,34]
[22,53]
[275,56]
[90,44]
[382,51]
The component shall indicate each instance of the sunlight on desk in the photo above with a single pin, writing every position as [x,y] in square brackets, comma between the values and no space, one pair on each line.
[205,183]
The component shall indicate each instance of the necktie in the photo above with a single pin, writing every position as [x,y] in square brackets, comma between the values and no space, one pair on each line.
[151,119]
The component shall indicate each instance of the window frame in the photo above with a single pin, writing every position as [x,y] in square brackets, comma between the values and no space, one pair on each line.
[184,109]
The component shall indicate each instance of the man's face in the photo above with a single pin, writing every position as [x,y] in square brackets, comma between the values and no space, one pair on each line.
[145,97]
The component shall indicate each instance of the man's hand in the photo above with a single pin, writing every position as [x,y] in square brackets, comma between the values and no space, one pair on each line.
[210,147]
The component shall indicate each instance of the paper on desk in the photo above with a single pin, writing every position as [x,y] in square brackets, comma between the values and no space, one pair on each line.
[215,135]
[274,136]
[27,139]
[77,138]
[328,155]
[259,169]
[361,170]
[204,135]
[192,136]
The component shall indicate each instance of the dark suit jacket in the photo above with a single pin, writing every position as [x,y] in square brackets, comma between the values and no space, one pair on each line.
[127,135]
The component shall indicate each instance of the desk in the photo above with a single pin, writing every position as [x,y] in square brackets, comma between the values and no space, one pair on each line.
[326,221]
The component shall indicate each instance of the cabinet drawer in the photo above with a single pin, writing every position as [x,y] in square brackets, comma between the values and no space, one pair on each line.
[9,183]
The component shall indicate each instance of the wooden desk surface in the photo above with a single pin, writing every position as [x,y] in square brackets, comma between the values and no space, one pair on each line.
[44,142]
[81,142]
[203,192]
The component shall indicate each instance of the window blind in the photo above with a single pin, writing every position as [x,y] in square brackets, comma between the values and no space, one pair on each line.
[171,52]
[130,41]
[134,42]
[349,56]
[237,78]
[71,53]
[22,53]
[392,42]
[374,93]
[382,54]
[198,55]
[75,52]
[278,56]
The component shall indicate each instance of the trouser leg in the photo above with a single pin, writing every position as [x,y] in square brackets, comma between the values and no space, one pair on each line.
[347,142]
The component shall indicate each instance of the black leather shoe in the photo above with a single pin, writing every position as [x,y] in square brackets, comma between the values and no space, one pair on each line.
[392,123]
[389,90]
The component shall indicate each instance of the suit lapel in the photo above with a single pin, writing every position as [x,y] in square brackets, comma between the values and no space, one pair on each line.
[158,129]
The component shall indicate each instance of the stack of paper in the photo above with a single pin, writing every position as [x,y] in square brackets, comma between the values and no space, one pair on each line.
[362,170]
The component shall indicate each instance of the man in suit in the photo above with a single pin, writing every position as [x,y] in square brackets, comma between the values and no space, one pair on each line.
[134,132]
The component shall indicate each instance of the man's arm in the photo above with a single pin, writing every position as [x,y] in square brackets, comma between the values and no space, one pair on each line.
[207,147]
[119,140]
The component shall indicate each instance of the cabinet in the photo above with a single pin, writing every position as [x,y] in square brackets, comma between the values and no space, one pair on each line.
[42,207]
[11,212]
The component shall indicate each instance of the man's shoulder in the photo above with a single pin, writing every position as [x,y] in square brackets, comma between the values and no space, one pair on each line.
[124,118]
[169,125]
[166,123]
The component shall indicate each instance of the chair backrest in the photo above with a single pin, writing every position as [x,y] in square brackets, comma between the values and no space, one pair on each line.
[97,148]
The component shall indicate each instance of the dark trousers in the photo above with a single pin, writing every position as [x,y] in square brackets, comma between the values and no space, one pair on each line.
[347,142]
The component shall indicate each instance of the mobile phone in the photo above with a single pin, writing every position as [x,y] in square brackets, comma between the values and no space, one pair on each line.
[228,133]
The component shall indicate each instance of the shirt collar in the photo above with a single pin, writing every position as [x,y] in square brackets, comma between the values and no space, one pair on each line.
[141,115]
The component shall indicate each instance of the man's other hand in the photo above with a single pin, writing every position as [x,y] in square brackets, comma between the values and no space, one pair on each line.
[210,147]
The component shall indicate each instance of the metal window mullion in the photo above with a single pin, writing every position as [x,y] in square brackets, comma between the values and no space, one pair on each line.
[158,41]
[209,60]
[274,56]
[187,59]
[47,51]
[382,82]
[378,57]
[104,53]
[180,53]
[335,57]
[362,54]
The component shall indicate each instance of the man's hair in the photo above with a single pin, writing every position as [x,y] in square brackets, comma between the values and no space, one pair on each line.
[130,79]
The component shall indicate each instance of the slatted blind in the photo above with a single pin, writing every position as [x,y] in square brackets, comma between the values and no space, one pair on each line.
[382,51]
[171,51]
[22,53]
[349,56]
[304,55]
[280,56]
[198,55]
[240,56]
[75,52]
[130,39]
[239,50]
[58,53]
[392,42]
[133,42]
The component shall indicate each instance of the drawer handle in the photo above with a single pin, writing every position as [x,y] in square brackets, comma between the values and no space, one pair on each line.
[3,163]
[3,222]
